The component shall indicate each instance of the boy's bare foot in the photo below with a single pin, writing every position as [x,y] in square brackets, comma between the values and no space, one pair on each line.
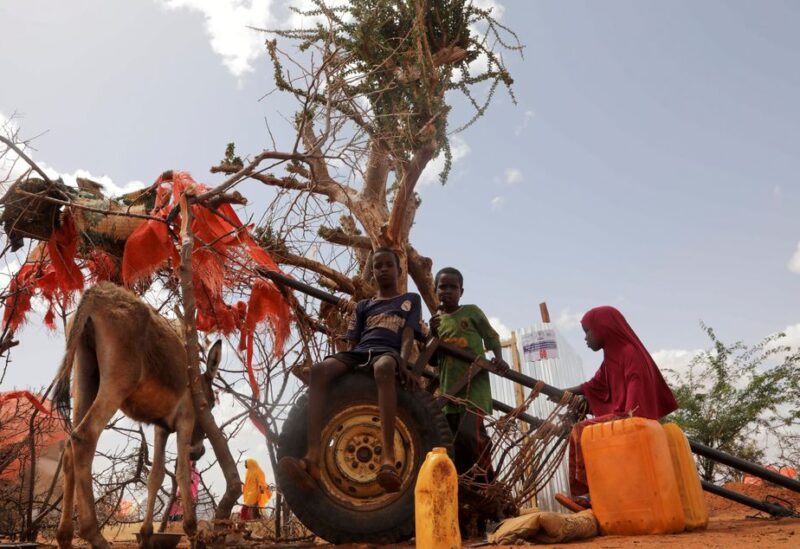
[302,473]
[388,478]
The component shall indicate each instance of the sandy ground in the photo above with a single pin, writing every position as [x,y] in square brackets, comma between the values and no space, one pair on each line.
[731,525]
[722,533]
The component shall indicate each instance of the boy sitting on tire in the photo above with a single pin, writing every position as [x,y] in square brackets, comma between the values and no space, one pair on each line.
[380,337]
[467,327]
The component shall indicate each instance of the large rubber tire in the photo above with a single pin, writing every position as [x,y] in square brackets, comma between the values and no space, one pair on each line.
[374,517]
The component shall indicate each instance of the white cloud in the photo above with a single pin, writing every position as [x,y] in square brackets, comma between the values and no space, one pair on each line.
[794,261]
[567,320]
[525,121]
[458,148]
[792,335]
[791,339]
[497,202]
[777,190]
[502,330]
[481,63]
[676,360]
[498,9]
[227,23]
[11,166]
[109,187]
[513,176]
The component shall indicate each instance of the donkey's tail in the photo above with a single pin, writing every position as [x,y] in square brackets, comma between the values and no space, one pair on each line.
[61,391]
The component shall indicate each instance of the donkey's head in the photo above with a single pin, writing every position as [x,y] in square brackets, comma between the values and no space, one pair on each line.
[197,449]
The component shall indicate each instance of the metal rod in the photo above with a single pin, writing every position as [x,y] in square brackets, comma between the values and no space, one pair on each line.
[765,506]
[301,286]
[744,466]
[527,381]
[535,422]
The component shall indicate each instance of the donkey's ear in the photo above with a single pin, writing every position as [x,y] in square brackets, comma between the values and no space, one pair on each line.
[213,359]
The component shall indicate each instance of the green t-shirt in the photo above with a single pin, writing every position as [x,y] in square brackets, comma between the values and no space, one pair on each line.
[466,327]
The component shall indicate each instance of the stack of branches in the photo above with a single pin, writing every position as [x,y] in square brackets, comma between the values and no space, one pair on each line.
[524,456]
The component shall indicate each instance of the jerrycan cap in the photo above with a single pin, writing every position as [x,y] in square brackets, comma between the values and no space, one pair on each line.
[439,450]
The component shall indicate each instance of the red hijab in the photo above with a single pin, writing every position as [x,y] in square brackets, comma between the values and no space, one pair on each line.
[628,381]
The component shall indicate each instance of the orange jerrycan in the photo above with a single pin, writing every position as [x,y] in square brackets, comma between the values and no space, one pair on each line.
[631,478]
[695,510]
[436,503]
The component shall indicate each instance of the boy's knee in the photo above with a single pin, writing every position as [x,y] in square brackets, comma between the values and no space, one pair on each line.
[323,372]
[319,371]
[384,368]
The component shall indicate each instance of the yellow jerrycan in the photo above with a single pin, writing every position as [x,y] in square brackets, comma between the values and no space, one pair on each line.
[632,481]
[695,510]
[436,503]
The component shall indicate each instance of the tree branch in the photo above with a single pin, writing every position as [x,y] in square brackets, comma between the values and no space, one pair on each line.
[338,236]
[215,436]
[377,173]
[400,207]
[321,183]
[248,170]
[282,182]
[445,56]
[13,146]
[419,267]
[343,282]
[410,215]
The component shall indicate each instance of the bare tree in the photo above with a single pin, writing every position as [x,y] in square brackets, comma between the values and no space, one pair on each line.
[374,81]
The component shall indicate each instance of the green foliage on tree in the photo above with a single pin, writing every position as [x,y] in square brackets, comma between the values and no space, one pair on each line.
[743,400]
[402,57]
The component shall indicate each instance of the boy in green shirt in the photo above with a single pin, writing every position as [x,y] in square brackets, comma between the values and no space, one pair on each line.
[467,327]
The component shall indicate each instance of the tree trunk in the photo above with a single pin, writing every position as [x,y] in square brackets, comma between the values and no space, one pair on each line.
[233,483]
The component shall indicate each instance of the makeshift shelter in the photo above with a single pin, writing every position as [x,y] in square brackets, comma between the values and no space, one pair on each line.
[24,416]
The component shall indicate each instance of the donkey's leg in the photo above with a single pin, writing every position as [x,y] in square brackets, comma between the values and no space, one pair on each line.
[84,443]
[65,529]
[84,391]
[154,482]
[185,426]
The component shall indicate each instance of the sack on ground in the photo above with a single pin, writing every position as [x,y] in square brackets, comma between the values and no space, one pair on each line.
[545,527]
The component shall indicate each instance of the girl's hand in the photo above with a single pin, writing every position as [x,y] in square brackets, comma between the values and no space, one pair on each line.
[501,365]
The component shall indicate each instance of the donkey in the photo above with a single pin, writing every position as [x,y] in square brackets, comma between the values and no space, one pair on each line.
[125,356]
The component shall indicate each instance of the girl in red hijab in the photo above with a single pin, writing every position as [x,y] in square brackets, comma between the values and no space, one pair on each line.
[628,383]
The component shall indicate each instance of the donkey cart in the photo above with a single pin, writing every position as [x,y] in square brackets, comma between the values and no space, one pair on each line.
[348,505]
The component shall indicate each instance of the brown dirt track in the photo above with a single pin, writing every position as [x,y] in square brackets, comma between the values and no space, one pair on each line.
[731,526]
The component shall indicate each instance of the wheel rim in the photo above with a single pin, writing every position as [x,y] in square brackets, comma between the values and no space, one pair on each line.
[352,455]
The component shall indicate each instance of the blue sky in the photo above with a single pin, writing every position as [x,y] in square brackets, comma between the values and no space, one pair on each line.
[652,161]
[652,156]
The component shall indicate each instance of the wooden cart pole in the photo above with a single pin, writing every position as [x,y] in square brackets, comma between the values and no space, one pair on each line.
[544,312]
[516,364]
